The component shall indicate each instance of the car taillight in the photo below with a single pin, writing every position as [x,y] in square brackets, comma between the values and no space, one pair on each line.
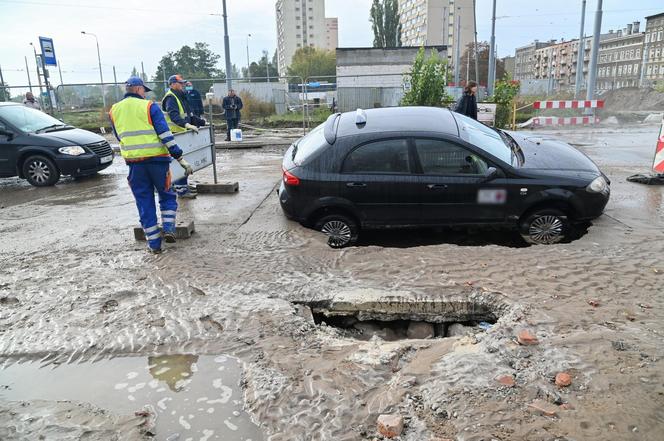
[291,179]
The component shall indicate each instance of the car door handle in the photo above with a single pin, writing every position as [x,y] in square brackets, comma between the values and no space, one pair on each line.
[355,184]
[436,186]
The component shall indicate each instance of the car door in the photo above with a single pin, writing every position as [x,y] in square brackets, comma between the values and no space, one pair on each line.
[7,150]
[454,187]
[378,178]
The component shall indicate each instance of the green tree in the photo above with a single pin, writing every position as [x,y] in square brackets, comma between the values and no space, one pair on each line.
[385,23]
[261,69]
[4,92]
[190,62]
[311,63]
[426,80]
[482,61]
[504,94]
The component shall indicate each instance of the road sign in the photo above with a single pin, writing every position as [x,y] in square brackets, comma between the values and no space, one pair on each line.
[486,113]
[48,51]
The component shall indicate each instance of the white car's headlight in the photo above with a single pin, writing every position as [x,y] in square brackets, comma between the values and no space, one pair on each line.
[598,185]
[73,150]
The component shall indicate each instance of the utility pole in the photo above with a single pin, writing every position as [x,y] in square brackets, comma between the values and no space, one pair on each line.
[477,68]
[592,70]
[60,72]
[492,54]
[582,53]
[267,65]
[248,64]
[41,91]
[227,49]
[115,81]
[457,57]
[101,75]
[27,70]
[143,77]
[2,83]
[643,65]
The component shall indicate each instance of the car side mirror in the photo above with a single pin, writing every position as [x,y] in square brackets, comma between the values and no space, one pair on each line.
[490,174]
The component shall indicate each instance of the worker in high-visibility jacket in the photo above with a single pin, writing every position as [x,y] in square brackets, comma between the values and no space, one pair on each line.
[147,145]
[180,118]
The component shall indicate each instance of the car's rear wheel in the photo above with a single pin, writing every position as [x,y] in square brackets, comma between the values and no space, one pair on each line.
[545,227]
[341,230]
[40,171]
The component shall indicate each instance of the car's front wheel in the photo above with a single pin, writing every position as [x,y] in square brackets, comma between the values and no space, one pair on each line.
[341,230]
[545,227]
[40,171]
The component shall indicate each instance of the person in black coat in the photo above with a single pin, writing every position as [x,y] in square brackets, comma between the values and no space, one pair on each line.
[194,99]
[467,105]
[232,105]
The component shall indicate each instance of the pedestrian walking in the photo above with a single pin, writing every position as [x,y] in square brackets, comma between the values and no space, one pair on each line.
[180,118]
[195,100]
[30,101]
[467,104]
[232,105]
[147,146]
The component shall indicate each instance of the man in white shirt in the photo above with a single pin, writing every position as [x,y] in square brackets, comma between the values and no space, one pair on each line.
[30,101]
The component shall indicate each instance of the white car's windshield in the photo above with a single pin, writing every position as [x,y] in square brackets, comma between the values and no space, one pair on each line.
[483,137]
[27,119]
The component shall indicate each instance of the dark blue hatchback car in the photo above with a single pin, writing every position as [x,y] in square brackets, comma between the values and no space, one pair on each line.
[423,166]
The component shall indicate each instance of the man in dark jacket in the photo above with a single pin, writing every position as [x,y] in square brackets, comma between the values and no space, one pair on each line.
[232,105]
[467,105]
[194,98]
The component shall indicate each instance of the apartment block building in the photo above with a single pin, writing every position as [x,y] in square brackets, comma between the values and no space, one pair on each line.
[620,58]
[302,23]
[524,60]
[557,62]
[653,59]
[434,22]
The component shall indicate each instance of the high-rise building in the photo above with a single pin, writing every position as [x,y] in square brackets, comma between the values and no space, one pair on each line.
[302,23]
[332,33]
[434,22]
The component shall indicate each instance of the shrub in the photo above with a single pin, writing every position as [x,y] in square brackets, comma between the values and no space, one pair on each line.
[504,94]
[427,81]
[255,108]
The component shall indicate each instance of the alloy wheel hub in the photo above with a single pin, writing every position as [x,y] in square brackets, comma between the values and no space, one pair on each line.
[338,232]
[39,171]
[546,229]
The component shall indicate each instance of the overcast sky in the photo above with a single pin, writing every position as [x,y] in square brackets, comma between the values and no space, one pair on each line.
[133,31]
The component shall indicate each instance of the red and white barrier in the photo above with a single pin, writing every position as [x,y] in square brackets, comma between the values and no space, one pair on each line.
[569,104]
[565,121]
[658,163]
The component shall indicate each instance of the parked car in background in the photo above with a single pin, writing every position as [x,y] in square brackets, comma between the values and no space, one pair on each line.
[37,147]
[422,166]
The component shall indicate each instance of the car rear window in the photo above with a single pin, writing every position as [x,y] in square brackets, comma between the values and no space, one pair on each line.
[385,156]
[309,145]
[483,137]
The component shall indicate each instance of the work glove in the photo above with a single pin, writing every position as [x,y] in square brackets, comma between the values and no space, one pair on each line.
[187,168]
[191,127]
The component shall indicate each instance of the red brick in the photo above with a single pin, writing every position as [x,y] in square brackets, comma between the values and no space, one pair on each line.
[563,379]
[525,337]
[542,408]
[506,380]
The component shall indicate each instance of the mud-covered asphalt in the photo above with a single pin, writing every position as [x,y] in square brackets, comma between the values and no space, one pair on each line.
[75,287]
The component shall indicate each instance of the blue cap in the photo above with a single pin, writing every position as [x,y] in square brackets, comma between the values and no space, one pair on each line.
[177,78]
[136,81]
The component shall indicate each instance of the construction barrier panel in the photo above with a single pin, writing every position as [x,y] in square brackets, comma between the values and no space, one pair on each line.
[658,163]
[569,104]
[197,148]
[565,121]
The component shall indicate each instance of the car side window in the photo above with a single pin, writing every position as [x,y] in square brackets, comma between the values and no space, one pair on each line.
[439,157]
[385,156]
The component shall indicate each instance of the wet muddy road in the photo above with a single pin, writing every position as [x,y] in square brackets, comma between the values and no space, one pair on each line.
[80,297]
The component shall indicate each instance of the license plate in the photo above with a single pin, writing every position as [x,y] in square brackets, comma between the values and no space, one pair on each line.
[106,159]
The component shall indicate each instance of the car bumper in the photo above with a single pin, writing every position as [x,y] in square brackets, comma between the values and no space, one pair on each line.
[81,165]
[592,206]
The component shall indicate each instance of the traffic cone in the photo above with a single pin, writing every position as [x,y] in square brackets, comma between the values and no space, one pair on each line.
[658,163]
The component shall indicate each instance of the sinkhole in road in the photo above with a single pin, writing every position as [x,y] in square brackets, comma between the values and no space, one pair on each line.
[396,317]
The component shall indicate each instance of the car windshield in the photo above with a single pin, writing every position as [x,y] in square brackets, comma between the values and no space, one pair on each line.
[484,137]
[309,144]
[27,119]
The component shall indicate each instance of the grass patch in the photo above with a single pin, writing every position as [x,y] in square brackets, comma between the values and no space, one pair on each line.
[88,120]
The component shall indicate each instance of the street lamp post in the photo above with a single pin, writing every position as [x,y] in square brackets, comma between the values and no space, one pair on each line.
[248,65]
[41,91]
[101,75]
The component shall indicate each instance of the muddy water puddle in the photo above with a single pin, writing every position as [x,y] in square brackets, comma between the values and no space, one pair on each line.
[194,397]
